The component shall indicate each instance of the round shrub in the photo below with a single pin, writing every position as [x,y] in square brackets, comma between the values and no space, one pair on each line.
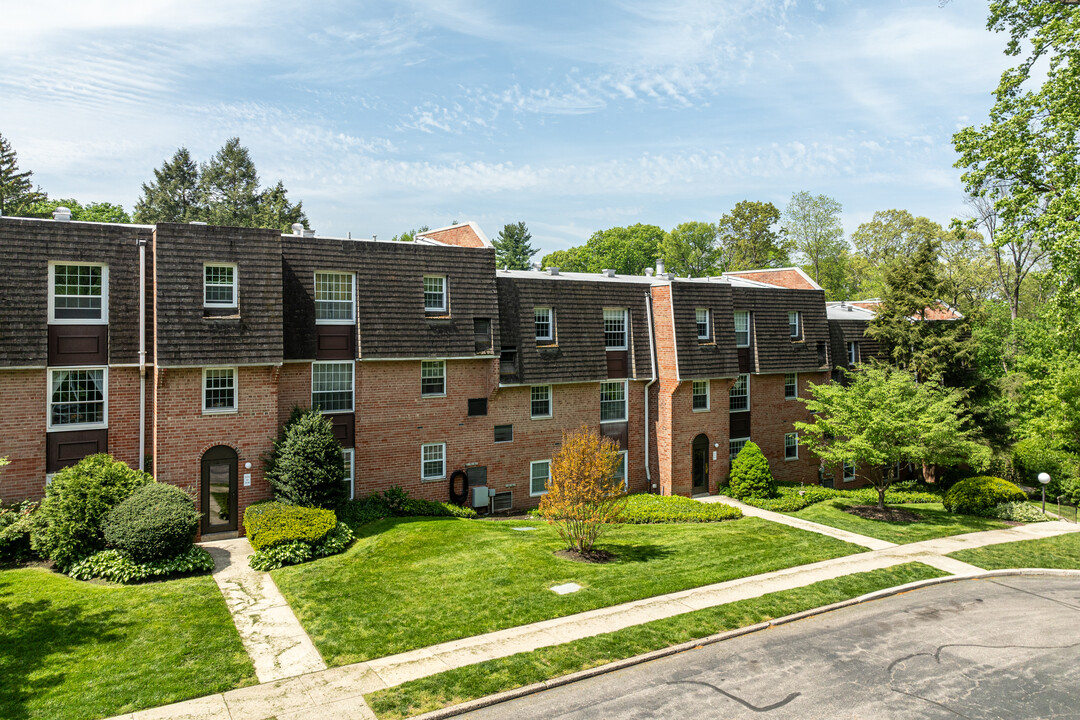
[68,525]
[750,474]
[306,466]
[980,495]
[156,522]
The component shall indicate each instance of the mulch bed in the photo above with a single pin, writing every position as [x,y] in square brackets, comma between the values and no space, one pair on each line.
[596,556]
[889,514]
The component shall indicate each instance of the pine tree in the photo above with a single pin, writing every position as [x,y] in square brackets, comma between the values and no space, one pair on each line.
[275,210]
[16,190]
[512,249]
[229,187]
[173,197]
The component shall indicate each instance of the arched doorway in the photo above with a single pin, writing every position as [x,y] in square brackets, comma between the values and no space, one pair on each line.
[699,464]
[219,502]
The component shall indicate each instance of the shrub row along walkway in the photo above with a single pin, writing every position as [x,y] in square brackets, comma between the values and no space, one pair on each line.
[338,691]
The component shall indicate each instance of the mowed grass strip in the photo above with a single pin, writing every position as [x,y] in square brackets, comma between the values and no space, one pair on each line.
[409,583]
[1061,552]
[79,650]
[936,522]
[486,678]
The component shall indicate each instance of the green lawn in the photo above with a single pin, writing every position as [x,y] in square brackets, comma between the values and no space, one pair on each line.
[937,522]
[79,650]
[1060,552]
[457,686]
[412,582]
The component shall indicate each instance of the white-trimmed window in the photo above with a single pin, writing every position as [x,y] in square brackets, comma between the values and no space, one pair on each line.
[742,328]
[432,461]
[78,398]
[702,317]
[219,390]
[791,446]
[791,386]
[849,472]
[335,298]
[739,395]
[433,378]
[615,328]
[794,325]
[852,353]
[435,293]
[613,401]
[540,401]
[539,474]
[78,293]
[350,471]
[701,395]
[734,446]
[219,285]
[620,470]
[332,386]
[542,323]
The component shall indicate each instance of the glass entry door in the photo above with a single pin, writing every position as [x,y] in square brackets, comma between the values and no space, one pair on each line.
[699,465]
[219,501]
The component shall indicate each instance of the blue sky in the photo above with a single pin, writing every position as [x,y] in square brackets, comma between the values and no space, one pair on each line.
[571,116]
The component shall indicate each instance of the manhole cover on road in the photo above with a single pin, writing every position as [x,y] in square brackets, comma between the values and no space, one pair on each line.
[524,529]
[565,588]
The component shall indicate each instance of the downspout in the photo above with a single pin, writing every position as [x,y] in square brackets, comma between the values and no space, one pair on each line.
[142,353]
[652,360]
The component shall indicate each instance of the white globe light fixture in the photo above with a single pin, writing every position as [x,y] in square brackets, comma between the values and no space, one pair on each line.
[1044,480]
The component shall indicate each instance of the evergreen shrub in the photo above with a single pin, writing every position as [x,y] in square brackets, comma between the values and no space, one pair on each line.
[306,466]
[980,495]
[750,474]
[276,523]
[645,509]
[156,522]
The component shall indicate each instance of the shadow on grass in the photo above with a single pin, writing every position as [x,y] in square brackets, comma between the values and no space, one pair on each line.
[32,633]
[626,553]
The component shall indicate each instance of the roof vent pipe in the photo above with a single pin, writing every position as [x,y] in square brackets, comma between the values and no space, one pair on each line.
[298,228]
[309,233]
[669,276]
[553,270]
[659,266]
[61,214]
[648,272]
[608,272]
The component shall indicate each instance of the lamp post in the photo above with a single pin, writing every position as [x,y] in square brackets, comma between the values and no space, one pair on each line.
[1044,480]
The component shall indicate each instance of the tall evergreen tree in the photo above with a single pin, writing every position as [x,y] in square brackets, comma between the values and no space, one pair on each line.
[275,210]
[17,192]
[512,249]
[173,196]
[229,186]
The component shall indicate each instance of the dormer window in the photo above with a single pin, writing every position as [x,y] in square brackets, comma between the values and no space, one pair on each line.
[615,328]
[542,323]
[219,285]
[78,293]
[334,298]
[435,294]
[742,328]
[702,316]
[794,327]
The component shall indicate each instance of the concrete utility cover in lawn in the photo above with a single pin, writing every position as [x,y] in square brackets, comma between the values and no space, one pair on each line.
[993,648]
[566,588]
[524,529]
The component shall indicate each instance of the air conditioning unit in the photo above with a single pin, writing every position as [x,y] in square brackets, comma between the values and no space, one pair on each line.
[502,501]
[481,496]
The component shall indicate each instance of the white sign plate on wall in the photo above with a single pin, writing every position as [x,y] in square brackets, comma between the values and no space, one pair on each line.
[247,479]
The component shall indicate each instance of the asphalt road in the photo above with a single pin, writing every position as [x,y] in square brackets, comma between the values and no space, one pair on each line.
[1001,648]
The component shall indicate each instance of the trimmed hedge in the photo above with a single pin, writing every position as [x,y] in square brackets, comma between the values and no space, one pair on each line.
[645,508]
[750,474]
[789,500]
[157,522]
[296,552]
[396,502]
[115,566]
[980,495]
[276,523]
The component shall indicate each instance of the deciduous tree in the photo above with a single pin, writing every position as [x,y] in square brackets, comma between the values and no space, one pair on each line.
[813,224]
[752,232]
[693,249]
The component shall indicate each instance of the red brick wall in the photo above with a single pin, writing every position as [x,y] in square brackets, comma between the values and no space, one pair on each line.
[22,434]
[772,416]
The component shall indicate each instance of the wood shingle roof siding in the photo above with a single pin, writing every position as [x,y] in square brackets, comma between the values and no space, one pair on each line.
[26,248]
[578,352]
[185,336]
[773,348]
[844,331]
[701,360]
[390,296]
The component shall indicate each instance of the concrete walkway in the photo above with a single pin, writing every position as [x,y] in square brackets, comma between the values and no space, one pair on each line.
[271,634]
[751,511]
[338,692]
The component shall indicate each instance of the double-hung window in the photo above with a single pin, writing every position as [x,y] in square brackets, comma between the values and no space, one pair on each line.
[540,405]
[347,457]
[432,461]
[849,472]
[701,394]
[539,473]
[613,401]
[791,386]
[219,285]
[434,293]
[742,328]
[542,323]
[78,398]
[332,386]
[791,446]
[735,445]
[852,353]
[739,396]
[793,323]
[78,293]
[433,378]
[335,295]
[702,317]
[615,328]
[219,390]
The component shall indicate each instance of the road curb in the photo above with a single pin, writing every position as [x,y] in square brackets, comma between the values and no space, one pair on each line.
[502,697]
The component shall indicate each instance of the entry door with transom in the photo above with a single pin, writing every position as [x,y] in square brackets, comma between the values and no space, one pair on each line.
[699,466]
[219,501]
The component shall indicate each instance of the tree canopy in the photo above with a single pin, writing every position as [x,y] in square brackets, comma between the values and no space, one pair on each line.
[17,191]
[812,224]
[512,248]
[751,230]
[692,249]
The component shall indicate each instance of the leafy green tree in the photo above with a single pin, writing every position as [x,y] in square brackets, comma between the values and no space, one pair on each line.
[1026,158]
[812,223]
[91,212]
[1016,253]
[752,232]
[306,466]
[17,192]
[967,272]
[882,419]
[626,250]
[573,259]
[693,249]
[410,235]
[173,196]
[512,248]
[890,237]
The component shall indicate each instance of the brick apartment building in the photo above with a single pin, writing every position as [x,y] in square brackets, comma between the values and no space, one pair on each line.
[184,348]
